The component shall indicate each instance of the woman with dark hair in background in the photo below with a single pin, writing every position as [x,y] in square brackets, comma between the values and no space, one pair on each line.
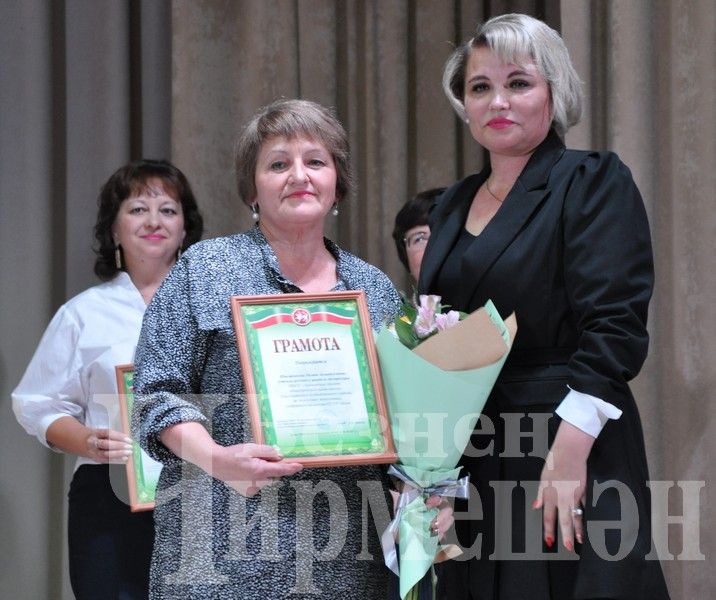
[412,232]
[560,238]
[67,397]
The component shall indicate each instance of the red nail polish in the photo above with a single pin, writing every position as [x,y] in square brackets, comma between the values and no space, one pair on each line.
[549,541]
[569,545]
[535,505]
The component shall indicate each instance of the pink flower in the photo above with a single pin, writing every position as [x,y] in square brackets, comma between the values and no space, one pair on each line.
[446,321]
[425,323]
[430,302]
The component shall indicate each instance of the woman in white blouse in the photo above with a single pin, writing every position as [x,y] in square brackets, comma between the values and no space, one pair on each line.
[67,396]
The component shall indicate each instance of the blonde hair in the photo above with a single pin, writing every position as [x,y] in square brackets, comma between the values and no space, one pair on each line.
[513,37]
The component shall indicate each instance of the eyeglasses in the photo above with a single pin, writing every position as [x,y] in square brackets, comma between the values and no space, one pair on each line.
[416,240]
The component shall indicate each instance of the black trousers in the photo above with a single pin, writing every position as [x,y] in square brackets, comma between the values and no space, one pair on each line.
[110,548]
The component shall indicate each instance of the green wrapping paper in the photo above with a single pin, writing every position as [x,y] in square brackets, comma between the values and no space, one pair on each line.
[433,412]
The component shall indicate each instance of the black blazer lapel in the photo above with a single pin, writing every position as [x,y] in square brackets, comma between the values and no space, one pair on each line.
[491,243]
[446,222]
[526,196]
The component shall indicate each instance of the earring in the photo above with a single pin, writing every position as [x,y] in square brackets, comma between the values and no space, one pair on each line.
[467,120]
[334,210]
[178,253]
[118,257]
[255,212]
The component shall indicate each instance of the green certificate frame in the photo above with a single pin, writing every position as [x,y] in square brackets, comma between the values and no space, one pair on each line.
[142,470]
[312,379]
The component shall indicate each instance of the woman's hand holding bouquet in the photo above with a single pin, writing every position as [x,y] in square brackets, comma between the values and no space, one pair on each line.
[438,370]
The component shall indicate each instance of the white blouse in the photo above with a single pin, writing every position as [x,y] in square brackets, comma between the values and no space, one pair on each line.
[73,370]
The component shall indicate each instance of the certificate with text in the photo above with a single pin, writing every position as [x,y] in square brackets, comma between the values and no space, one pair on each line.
[312,378]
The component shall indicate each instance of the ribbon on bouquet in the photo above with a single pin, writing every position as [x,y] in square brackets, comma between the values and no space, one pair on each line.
[418,546]
[450,487]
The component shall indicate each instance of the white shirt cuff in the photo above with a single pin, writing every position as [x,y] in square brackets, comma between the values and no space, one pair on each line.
[44,425]
[585,412]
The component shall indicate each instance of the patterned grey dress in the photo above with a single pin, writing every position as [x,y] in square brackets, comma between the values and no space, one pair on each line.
[311,535]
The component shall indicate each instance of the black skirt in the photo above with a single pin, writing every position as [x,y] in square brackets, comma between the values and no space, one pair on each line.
[505,556]
[110,548]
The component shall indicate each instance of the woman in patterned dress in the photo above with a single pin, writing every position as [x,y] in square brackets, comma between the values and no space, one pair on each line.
[233,520]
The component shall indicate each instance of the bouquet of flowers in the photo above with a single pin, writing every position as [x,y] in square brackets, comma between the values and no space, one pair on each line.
[438,369]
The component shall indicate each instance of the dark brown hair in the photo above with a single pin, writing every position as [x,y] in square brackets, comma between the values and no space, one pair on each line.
[413,213]
[132,180]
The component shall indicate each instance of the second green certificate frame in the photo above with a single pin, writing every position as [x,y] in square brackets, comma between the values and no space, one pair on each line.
[312,378]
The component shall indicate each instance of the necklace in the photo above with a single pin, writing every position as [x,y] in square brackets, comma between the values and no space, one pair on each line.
[489,191]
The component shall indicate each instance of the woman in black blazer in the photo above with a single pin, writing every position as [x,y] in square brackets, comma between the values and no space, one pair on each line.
[561,238]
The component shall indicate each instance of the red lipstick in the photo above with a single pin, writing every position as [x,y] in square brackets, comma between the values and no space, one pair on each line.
[301,194]
[499,123]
